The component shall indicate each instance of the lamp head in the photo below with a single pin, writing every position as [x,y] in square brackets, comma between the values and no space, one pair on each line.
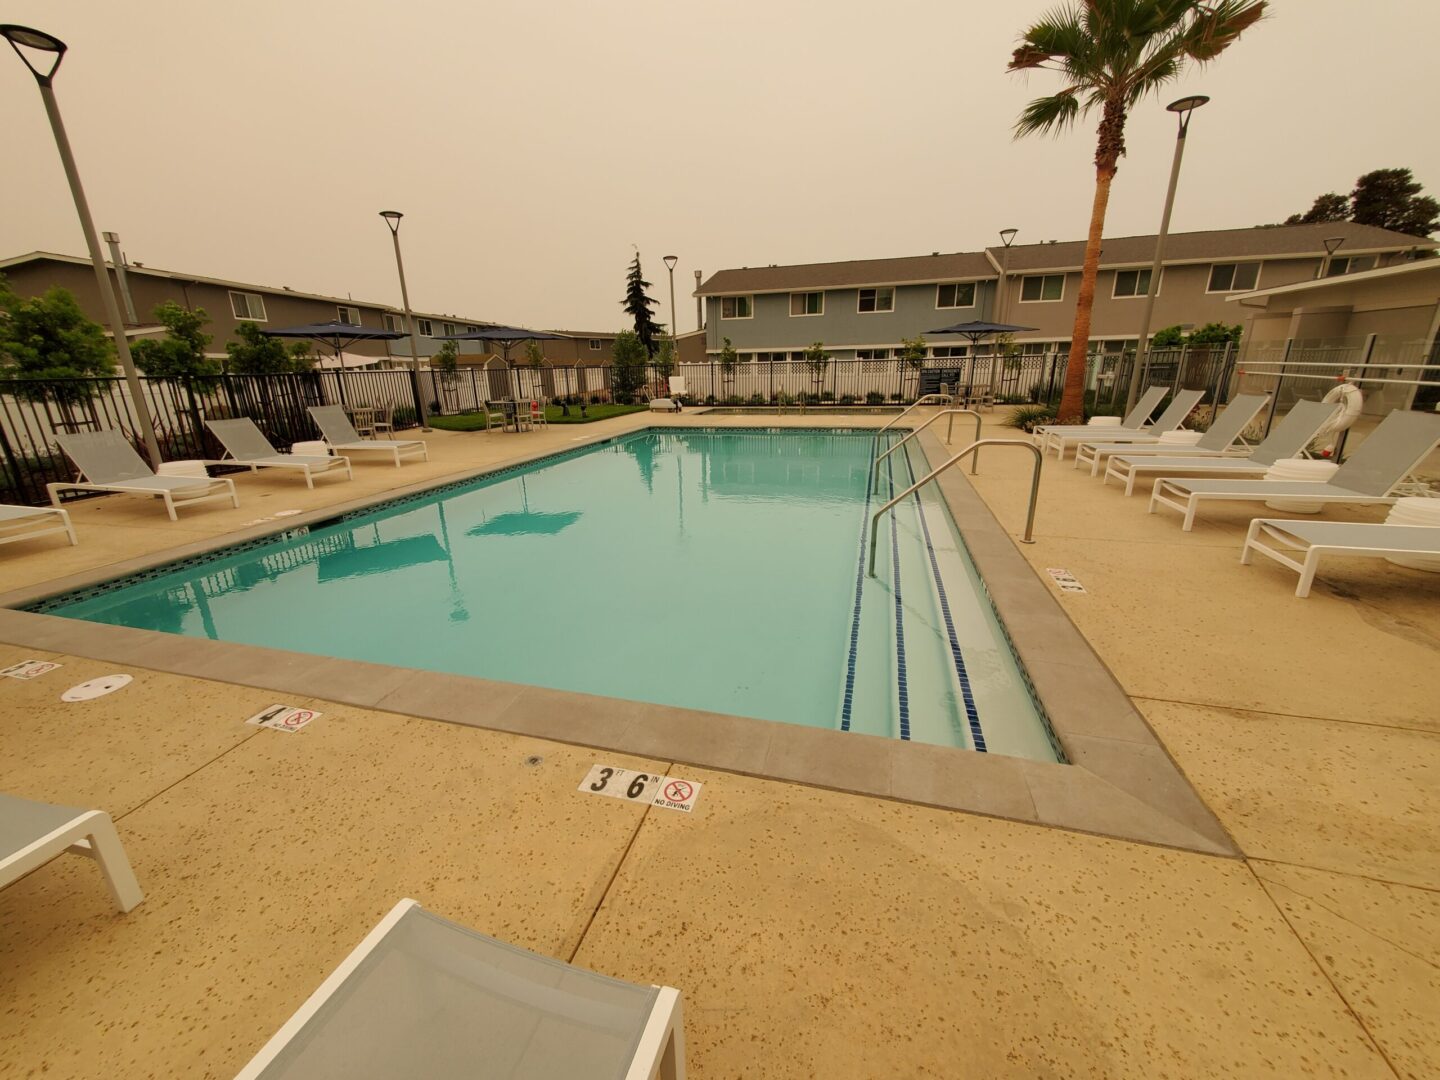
[1184,107]
[670,261]
[40,42]
[392,218]
[1008,236]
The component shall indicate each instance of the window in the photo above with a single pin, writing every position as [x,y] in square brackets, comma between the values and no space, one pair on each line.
[1035,288]
[395,323]
[448,328]
[807,303]
[596,344]
[423,328]
[470,329]
[771,357]
[872,300]
[349,315]
[736,307]
[1350,265]
[1233,277]
[872,354]
[955,295]
[248,305]
[949,352]
[1134,283]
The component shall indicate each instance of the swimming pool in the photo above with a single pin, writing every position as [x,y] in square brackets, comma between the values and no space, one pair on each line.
[715,569]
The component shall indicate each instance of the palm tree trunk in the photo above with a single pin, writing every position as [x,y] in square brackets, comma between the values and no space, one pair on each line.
[1072,399]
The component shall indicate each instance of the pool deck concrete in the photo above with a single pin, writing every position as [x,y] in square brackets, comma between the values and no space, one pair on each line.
[813,931]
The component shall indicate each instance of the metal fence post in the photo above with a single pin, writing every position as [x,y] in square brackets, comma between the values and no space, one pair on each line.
[1279,382]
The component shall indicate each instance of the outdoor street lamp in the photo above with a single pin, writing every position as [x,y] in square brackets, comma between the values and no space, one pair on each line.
[1182,109]
[670,261]
[1007,237]
[1332,245]
[46,43]
[392,219]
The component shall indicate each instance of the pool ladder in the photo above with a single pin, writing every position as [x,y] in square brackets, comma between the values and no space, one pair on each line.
[973,448]
[949,432]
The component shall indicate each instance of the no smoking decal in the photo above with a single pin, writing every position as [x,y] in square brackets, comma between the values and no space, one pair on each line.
[632,785]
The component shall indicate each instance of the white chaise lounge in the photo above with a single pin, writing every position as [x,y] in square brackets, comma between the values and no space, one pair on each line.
[425,997]
[26,522]
[108,462]
[335,426]
[1170,420]
[1135,420]
[1340,538]
[245,444]
[1221,436]
[33,833]
[1385,458]
[1288,439]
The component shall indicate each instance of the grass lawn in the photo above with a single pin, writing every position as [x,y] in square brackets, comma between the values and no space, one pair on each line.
[476,421]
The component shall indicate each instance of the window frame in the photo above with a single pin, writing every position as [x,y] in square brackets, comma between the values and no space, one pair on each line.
[247,297]
[974,294]
[1042,278]
[424,328]
[1137,271]
[807,314]
[1234,266]
[394,323]
[875,291]
[749,299]
[595,344]
[341,310]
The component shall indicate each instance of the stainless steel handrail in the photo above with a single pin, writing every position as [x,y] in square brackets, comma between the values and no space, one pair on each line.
[974,447]
[926,400]
[949,433]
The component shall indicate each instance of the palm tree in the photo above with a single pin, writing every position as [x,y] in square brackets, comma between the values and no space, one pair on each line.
[1111,54]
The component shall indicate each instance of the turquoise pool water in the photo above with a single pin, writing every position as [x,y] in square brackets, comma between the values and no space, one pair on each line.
[715,569]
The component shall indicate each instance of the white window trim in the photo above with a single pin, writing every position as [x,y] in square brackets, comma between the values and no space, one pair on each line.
[733,318]
[341,310]
[1115,283]
[596,344]
[876,289]
[424,328]
[1259,265]
[807,314]
[265,317]
[974,295]
[1020,293]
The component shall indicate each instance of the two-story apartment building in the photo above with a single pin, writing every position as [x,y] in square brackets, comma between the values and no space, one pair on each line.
[863,309]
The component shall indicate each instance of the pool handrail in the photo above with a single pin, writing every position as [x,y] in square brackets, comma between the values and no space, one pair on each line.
[939,399]
[949,433]
[974,447]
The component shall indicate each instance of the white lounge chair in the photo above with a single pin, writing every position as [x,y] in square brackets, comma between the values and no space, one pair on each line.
[1169,420]
[246,445]
[1388,454]
[1288,439]
[25,522]
[1346,538]
[1135,420]
[424,997]
[1220,437]
[335,426]
[108,462]
[33,833]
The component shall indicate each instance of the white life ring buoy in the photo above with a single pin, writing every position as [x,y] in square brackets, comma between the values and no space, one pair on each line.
[1350,400]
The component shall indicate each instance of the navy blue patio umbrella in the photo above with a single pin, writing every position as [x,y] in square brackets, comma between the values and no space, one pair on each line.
[976,330]
[507,337]
[337,335]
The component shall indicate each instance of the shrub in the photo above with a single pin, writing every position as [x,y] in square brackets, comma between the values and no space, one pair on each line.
[734,399]
[874,397]
[848,399]
[757,399]
[711,399]
[827,395]
[1028,417]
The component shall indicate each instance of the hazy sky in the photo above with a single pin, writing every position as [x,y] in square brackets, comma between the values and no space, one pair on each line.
[530,144]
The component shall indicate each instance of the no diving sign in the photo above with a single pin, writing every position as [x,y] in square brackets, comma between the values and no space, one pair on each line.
[631,785]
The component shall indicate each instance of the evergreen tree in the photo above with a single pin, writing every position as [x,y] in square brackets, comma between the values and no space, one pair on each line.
[1386,198]
[637,305]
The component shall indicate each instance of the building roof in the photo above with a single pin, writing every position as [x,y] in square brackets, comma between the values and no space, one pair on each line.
[1254,243]
[1340,281]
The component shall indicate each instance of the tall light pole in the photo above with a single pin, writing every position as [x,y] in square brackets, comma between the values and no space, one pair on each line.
[392,219]
[1182,109]
[1007,237]
[1332,245]
[670,261]
[699,304]
[46,43]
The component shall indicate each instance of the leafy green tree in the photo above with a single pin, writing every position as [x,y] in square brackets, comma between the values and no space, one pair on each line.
[637,304]
[47,339]
[729,361]
[627,371]
[181,352]
[665,362]
[1386,198]
[1215,333]
[258,354]
[817,360]
[446,364]
[1110,55]
[1172,337]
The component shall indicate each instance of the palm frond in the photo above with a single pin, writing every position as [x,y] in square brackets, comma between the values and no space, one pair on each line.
[1059,36]
[1049,115]
[1216,28]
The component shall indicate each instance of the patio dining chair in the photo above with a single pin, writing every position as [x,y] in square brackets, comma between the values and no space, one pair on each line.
[384,420]
[107,462]
[538,417]
[423,996]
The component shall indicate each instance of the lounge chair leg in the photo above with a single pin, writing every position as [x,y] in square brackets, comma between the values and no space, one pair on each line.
[69,527]
[234,495]
[1191,505]
[1307,576]
[106,849]
[170,506]
[309,478]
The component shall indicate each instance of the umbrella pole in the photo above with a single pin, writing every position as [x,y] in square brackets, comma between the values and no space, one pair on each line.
[340,372]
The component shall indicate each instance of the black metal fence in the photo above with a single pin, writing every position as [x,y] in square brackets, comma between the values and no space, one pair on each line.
[33,411]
